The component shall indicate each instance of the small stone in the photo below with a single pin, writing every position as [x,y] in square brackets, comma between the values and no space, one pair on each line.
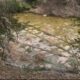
[62,60]
[60,50]
[35,31]
[45,15]
[30,30]
[26,29]
[48,66]
[67,65]
[67,47]
[41,66]
[66,54]
[14,33]
[21,50]
[41,34]
[26,47]
[23,31]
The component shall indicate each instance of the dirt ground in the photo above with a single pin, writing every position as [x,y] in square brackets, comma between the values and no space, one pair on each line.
[10,72]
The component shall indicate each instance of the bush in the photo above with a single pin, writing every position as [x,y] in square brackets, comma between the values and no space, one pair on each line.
[8,25]
[12,6]
[25,6]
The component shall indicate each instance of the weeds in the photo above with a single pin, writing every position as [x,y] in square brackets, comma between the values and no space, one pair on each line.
[8,25]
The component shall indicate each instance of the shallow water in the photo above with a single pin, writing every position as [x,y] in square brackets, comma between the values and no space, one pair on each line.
[54,25]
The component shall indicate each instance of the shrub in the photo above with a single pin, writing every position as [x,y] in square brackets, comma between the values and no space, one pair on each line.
[8,25]
[12,6]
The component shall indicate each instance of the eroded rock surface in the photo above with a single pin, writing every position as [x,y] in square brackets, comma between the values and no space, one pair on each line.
[64,8]
[37,50]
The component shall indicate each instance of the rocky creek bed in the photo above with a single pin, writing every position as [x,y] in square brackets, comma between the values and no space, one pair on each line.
[43,43]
